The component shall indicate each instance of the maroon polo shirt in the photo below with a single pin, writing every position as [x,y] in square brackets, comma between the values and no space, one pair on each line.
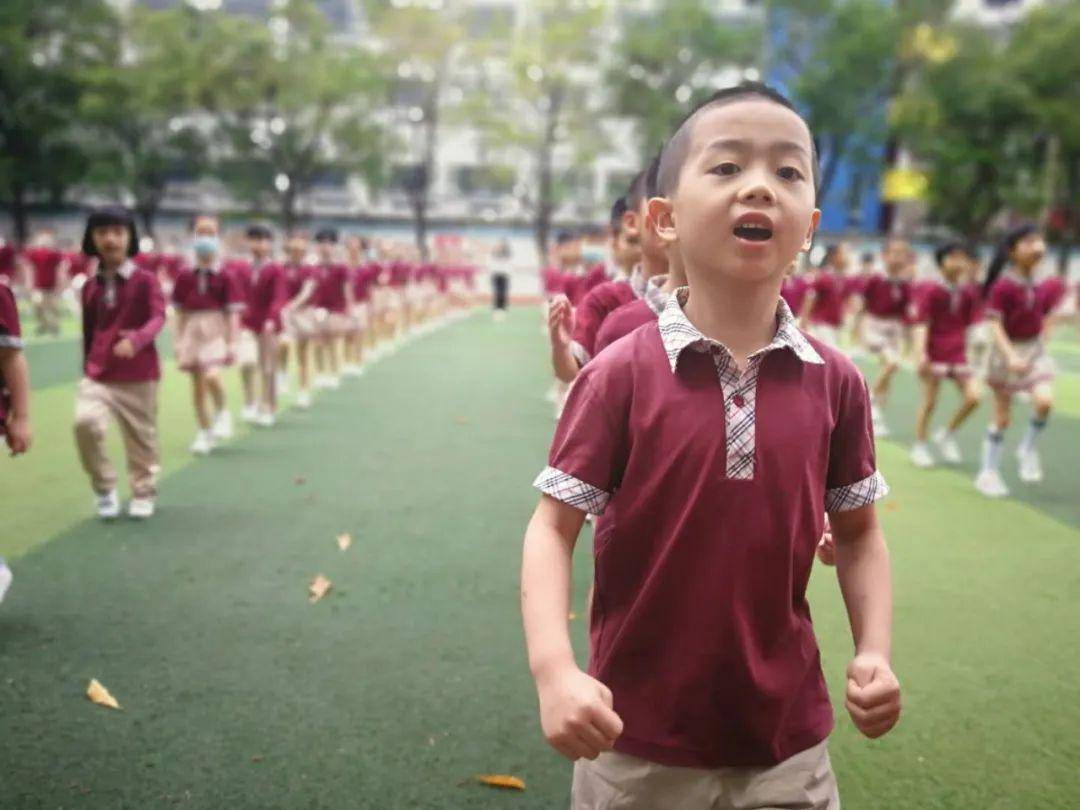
[947,311]
[1020,305]
[713,486]
[794,290]
[296,275]
[885,297]
[10,338]
[629,317]
[589,315]
[46,265]
[206,290]
[332,280]
[268,293]
[128,305]
[830,291]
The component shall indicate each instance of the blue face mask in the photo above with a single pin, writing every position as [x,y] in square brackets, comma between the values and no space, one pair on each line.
[205,246]
[592,255]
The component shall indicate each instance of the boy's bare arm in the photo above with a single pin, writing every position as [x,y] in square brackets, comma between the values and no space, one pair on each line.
[862,566]
[16,375]
[560,321]
[575,710]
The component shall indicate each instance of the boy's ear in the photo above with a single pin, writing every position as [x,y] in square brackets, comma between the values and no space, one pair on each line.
[815,218]
[662,216]
[630,222]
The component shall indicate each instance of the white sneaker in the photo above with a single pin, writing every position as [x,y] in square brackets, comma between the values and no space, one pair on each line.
[265,420]
[281,382]
[989,483]
[5,579]
[1030,466]
[203,444]
[920,456]
[108,505]
[141,508]
[333,383]
[223,426]
[324,382]
[351,370]
[950,450]
[303,400]
[250,414]
[881,429]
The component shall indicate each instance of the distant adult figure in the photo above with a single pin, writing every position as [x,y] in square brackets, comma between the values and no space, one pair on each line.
[500,279]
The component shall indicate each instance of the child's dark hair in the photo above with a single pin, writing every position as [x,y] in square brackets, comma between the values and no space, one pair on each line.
[652,178]
[829,256]
[562,237]
[866,257]
[257,230]
[592,230]
[675,151]
[953,247]
[1004,248]
[617,211]
[328,236]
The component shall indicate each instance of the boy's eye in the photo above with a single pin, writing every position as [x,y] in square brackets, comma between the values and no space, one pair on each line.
[726,168]
[789,173]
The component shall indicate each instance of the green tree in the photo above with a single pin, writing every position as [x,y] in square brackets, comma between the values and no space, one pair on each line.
[1044,56]
[296,105]
[671,60]
[46,51]
[427,41]
[967,121]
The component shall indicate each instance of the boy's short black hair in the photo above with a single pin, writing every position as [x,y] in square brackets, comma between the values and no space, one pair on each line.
[110,215]
[652,178]
[675,151]
[829,255]
[259,231]
[592,230]
[866,256]
[562,237]
[327,236]
[635,194]
[617,211]
[951,247]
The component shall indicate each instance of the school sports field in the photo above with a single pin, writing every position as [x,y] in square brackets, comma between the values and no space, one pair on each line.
[409,678]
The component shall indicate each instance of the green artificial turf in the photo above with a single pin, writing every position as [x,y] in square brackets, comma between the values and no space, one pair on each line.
[410,677]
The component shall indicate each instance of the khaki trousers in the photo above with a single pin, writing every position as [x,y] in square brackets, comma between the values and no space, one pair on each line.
[134,407]
[616,781]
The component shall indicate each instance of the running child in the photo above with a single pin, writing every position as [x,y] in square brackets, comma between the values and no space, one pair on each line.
[824,308]
[299,314]
[267,294]
[944,312]
[247,350]
[48,272]
[123,310]
[208,302]
[1016,309]
[14,393]
[334,302]
[360,316]
[705,686]
[881,322]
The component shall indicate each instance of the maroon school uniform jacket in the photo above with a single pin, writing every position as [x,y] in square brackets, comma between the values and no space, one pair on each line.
[129,305]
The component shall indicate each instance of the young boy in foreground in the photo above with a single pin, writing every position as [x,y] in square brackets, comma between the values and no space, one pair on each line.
[711,440]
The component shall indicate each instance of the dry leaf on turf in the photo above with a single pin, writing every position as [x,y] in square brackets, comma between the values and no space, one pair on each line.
[461,420]
[507,782]
[318,588]
[572,616]
[299,480]
[344,541]
[100,695]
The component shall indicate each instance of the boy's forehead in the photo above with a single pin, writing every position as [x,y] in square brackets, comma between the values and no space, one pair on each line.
[757,121]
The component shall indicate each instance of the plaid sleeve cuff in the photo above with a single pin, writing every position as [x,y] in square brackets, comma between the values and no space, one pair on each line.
[580,353]
[855,496]
[571,491]
[10,342]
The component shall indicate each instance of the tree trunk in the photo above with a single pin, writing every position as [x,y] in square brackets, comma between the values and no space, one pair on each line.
[20,218]
[288,207]
[147,211]
[421,195]
[1072,198]
[838,144]
[545,202]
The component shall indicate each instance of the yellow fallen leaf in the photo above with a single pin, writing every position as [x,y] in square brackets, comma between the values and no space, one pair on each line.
[344,541]
[100,695]
[318,588]
[572,616]
[506,782]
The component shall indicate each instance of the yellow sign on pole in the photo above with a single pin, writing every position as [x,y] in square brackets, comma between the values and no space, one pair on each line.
[899,185]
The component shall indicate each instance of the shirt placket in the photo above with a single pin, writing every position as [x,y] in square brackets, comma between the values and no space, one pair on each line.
[740,394]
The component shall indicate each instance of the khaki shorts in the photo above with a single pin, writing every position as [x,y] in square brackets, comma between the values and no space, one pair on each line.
[804,781]
[884,336]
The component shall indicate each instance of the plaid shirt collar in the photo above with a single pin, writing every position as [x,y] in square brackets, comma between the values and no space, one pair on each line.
[678,334]
[654,294]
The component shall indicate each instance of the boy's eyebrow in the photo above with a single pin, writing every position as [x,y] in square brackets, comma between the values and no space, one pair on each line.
[738,143]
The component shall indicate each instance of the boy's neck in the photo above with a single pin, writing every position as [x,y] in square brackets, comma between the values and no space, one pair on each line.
[652,265]
[111,269]
[740,315]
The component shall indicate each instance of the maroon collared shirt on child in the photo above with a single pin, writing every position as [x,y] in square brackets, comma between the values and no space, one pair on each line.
[130,305]
[713,485]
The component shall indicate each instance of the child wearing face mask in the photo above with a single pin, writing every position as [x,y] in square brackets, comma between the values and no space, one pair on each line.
[207,303]
[1017,310]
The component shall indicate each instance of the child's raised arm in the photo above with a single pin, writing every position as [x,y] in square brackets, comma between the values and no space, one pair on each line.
[862,566]
[575,710]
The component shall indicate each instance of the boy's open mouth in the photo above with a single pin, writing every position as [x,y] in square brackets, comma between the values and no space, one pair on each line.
[753,228]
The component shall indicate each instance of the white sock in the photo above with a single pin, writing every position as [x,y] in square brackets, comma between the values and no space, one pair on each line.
[1034,430]
[991,455]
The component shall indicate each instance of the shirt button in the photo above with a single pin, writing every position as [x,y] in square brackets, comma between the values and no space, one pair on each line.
[738,401]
